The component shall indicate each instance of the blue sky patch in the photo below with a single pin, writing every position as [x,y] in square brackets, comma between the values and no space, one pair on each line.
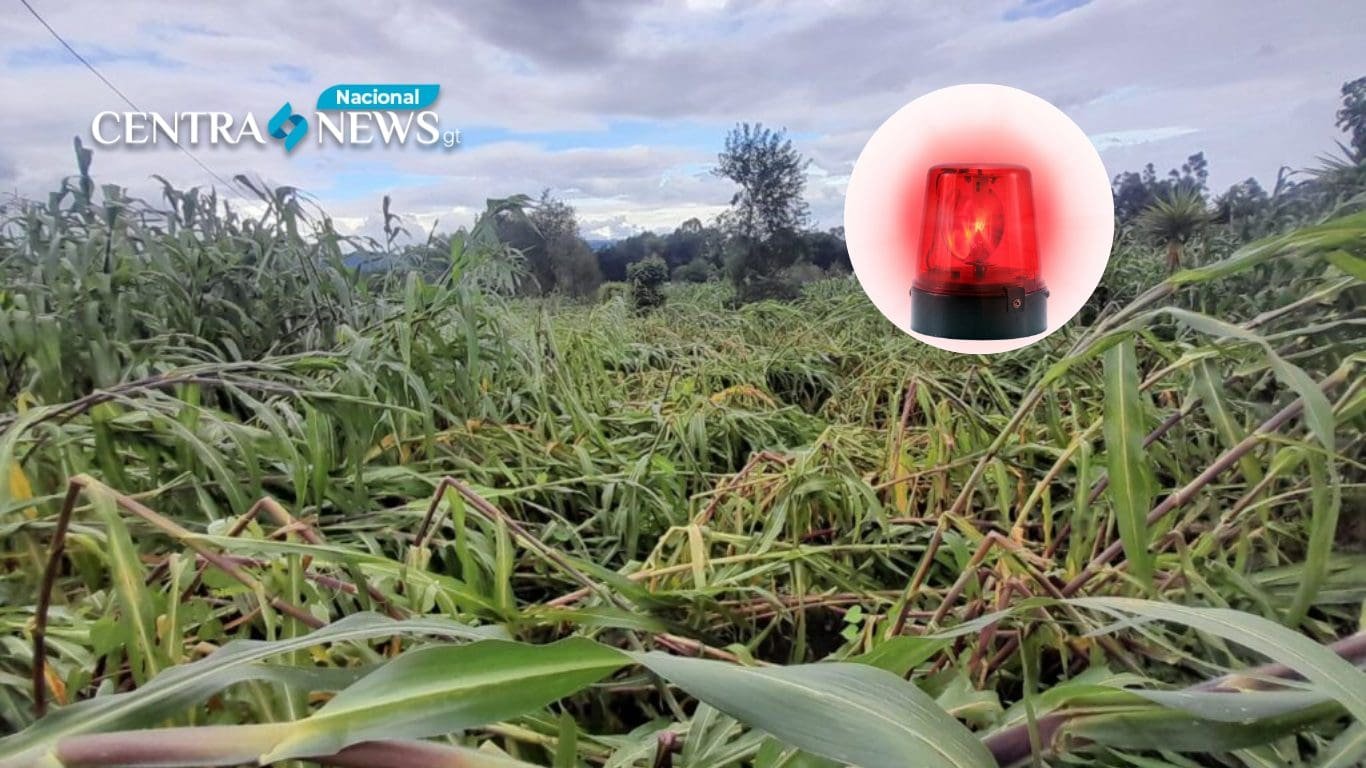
[367,183]
[292,73]
[617,134]
[1042,9]
[55,56]
[163,31]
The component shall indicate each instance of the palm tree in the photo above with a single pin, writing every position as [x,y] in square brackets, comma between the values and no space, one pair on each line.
[1341,177]
[1173,219]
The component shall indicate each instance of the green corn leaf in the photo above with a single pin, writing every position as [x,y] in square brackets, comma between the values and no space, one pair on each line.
[1331,674]
[1130,476]
[1349,264]
[443,689]
[1347,750]
[903,653]
[179,687]
[227,745]
[1246,707]
[1177,731]
[138,617]
[1325,502]
[566,745]
[1209,386]
[1318,412]
[854,713]
[370,565]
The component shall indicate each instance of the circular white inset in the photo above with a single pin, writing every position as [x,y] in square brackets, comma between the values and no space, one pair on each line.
[979,124]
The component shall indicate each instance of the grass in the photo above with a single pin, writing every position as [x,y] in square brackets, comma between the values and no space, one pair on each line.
[302,510]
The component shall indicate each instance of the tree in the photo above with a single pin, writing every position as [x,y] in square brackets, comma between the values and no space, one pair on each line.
[516,230]
[685,244]
[760,270]
[1244,207]
[647,276]
[771,175]
[1136,192]
[574,265]
[1339,178]
[828,251]
[767,211]
[614,259]
[1352,117]
[1133,192]
[557,259]
[557,228]
[696,271]
[1173,220]
[1194,174]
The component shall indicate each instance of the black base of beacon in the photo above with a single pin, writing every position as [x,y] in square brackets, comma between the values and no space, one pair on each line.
[1010,314]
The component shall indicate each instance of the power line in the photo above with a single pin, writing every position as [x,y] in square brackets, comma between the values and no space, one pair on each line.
[115,89]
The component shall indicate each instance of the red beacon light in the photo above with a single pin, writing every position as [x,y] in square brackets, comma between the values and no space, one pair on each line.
[977,269]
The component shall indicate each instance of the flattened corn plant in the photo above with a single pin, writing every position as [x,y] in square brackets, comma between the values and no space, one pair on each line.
[258,506]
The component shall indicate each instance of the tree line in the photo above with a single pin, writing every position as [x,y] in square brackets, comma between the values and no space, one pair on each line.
[764,243]
[1177,209]
[765,246]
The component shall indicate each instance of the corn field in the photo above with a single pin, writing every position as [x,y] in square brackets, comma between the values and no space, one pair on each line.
[258,506]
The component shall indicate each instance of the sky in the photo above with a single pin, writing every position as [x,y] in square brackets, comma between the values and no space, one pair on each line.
[620,107]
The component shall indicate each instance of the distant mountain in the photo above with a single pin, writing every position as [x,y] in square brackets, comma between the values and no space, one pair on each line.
[368,262]
[598,243]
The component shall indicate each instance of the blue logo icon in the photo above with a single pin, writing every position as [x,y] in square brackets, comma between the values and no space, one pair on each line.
[298,127]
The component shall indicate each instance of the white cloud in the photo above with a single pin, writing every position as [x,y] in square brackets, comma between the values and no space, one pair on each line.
[1119,139]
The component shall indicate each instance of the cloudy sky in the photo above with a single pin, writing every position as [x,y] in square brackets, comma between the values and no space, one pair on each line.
[620,107]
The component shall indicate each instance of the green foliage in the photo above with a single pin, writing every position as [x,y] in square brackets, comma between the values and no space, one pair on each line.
[215,285]
[695,271]
[1130,483]
[827,250]
[590,524]
[765,269]
[430,691]
[1352,116]
[1248,210]
[647,278]
[767,211]
[609,291]
[1173,220]
[546,235]
[851,713]
[771,175]
[1135,192]
[697,253]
